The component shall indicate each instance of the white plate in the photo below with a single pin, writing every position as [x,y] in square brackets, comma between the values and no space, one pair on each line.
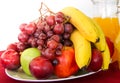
[21,76]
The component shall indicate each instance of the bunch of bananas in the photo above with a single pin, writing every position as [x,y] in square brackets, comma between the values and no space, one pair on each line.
[86,31]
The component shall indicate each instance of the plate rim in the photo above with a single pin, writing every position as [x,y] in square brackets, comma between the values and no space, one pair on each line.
[48,80]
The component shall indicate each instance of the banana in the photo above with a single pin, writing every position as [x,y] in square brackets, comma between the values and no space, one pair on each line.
[102,46]
[82,49]
[88,29]
[82,23]
[106,58]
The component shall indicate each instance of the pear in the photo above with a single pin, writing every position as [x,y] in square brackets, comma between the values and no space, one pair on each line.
[27,56]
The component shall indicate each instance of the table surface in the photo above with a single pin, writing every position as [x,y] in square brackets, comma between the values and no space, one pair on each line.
[111,76]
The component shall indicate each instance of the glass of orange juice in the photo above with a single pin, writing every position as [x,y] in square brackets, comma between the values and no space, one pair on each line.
[105,14]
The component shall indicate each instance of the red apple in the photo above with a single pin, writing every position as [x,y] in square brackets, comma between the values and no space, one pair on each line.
[1,52]
[10,59]
[96,60]
[66,65]
[41,67]
[110,45]
[12,46]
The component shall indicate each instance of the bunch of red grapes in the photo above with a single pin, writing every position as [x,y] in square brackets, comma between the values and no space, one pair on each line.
[48,34]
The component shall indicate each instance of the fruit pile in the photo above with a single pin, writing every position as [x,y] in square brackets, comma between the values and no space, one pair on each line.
[59,44]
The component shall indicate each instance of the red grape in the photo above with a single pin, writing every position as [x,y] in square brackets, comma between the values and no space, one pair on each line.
[66,35]
[22,27]
[52,44]
[23,37]
[43,51]
[46,28]
[42,36]
[21,46]
[58,52]
[31,38]
[55,62]
[68,28]
[56,38]
[40,42]
[40,26]
[30,28]
[50,20]
[67,42]
[60,46]
[59,17]
[40,47]
[49,33]
[49,53]
[34,42]
[36,34]
[58,28]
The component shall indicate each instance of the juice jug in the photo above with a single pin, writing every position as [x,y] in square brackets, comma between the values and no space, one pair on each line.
[105,13]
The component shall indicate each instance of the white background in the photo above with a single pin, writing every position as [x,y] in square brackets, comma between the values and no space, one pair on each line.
[15,12]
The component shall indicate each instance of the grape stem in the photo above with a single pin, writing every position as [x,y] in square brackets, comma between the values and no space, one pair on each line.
[44,10]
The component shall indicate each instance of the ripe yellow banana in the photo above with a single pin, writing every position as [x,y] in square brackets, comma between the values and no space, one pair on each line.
[82,49]
[82,23]
[106,58]
[101,44]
